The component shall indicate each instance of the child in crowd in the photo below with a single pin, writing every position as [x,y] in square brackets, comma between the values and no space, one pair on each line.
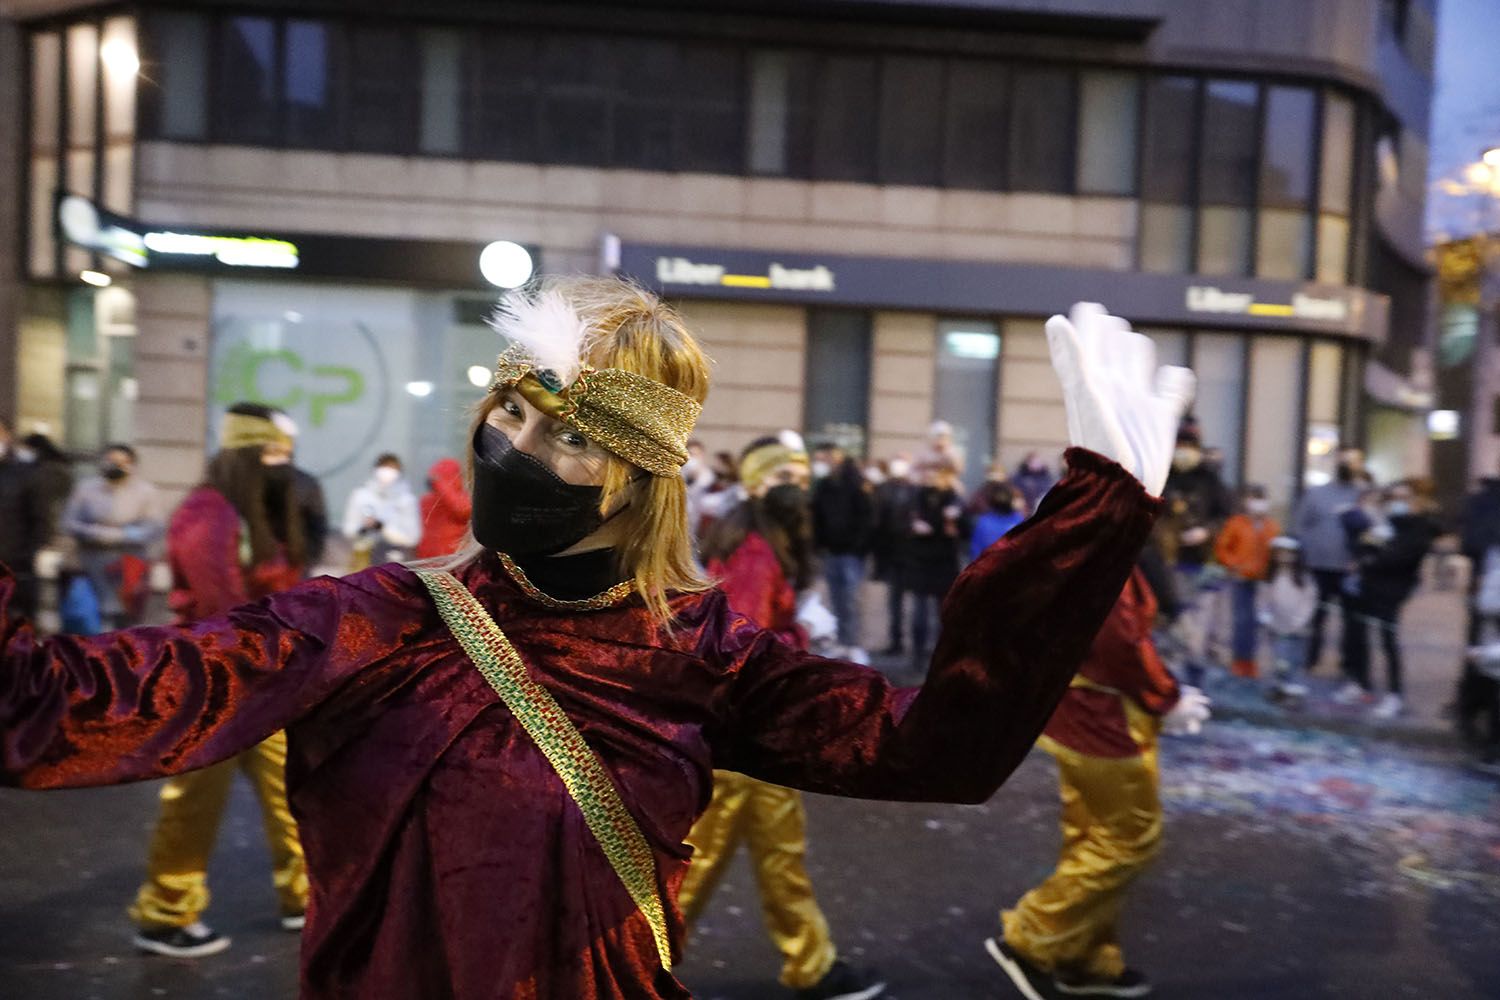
[1243,548]
[1288,600]
[998,513]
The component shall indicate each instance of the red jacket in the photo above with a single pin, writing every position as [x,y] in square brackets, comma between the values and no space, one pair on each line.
[203,550]
[1122,663]
[756,586]
[445,510]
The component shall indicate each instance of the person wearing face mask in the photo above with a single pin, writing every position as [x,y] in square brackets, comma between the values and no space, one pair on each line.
[1243,548]
[892,503]
[236,537]
[761,555]
[1389,546]
[113,516]
[1317,525]
[936,534]
[495,760]
[842,519]
[382,517]
[1197,502]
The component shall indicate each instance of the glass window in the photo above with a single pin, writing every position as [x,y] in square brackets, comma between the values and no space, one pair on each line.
[1219,362]
[1271,425]
[578,80]
[1166,244]
[120,76]
[911,135]
[1333,249]
[246,80]
[1171,345]
[83,84]
[974,153]
[507,97]
[382,89]
[779,122]
[1229,147]
[441,129]
[1283,244]
[1223,240]
[1458,333]
[46,58]
[1287,147]
[1108,118]
[837,393]
[1170,138]
[1041,139]
[179,50]
[967,376]
[645,95]
[844,138]
[1325,363]
[307,85]
[710,110]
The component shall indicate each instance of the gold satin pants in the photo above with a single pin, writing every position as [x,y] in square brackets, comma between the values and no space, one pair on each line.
[772,823]
[175,892]
[1111,826]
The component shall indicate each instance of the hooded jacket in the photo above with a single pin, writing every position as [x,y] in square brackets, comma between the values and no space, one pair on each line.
[445,509]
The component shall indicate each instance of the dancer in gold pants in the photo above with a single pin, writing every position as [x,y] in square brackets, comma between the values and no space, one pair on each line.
[175,892]
[235,538]
[761,554]
[771,822]
[1062,937]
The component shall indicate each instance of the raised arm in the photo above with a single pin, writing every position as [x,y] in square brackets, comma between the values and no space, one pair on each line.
[1016,625]
[147,702]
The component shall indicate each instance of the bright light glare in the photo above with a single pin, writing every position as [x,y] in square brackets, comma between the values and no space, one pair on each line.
[419,389]
[1478,174]
[1443,424]
[96,278]
[1492,156]
[119,57]
[505,264]
[479,376]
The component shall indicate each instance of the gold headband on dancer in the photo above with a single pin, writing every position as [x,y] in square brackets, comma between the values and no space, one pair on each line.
[242,430]
[758,463]
[635,417]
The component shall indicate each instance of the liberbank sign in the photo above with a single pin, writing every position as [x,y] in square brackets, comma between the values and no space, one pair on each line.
[951,286]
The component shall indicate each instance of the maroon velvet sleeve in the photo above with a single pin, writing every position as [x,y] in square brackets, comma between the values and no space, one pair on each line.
[146,702]
[1016,625]
[203,543]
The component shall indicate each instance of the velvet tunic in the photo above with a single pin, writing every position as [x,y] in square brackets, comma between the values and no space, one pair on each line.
[446,858]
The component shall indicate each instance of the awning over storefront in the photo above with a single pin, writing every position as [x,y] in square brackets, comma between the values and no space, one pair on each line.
[953,286]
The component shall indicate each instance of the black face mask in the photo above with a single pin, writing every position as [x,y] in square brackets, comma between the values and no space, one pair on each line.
[112,472]
[521,507]
[277,476]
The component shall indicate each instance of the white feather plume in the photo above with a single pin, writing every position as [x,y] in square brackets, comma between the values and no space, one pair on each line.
[547,328]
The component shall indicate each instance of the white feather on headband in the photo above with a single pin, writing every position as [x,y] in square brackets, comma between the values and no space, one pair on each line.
[548,329]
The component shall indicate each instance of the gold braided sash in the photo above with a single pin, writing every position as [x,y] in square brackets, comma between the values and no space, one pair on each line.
[549,726]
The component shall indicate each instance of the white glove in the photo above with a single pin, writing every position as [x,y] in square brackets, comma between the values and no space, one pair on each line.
[1119,403]
[1189,714]
[816,620]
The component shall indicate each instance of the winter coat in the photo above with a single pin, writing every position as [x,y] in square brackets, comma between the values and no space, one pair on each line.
[1244,546]
[931,558]
[893,503]
[1286,606]
[1196,498]
[842,512]
[1317,525]
[1389,569]
[23,505]
[445,509]
[989,528]
[1033,484]
[1481,521]
[393,506]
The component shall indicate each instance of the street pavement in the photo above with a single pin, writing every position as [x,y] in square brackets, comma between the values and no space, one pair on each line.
[1299,862]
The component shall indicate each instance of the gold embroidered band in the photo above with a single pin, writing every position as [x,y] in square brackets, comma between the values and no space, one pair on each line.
[241,430]
[635,417]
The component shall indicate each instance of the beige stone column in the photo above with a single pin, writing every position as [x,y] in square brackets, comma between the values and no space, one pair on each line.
[1031,414]
[173,323]
[902,383]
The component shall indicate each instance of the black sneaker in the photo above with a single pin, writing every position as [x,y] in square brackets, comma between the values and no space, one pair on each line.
[1033,983]
[193,941]
[1129,983]
[844,982]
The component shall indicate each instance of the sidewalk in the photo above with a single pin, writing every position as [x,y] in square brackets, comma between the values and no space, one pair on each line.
[1432,641]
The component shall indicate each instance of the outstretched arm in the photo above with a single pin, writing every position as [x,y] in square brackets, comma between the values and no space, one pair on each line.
[1016,625]
[146,702]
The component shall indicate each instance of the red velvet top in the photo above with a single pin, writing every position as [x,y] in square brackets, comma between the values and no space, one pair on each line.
[1122,663]
[446,858]
[203,551]
[756,586]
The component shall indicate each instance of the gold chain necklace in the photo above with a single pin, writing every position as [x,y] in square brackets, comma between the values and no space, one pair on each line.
[614,595]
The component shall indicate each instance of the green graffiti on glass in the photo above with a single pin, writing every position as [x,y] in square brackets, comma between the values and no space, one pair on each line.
[239,378]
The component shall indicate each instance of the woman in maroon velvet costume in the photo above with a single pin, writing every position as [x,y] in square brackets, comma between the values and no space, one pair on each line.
[446,857]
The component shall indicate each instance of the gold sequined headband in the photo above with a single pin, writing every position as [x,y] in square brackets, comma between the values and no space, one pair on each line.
[761,462]
[635,417]
[241,430]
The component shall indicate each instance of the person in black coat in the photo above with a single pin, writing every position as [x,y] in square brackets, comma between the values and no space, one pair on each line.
[1389,546]
[936,533]
[23,509]
[843,516]
[893,502]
